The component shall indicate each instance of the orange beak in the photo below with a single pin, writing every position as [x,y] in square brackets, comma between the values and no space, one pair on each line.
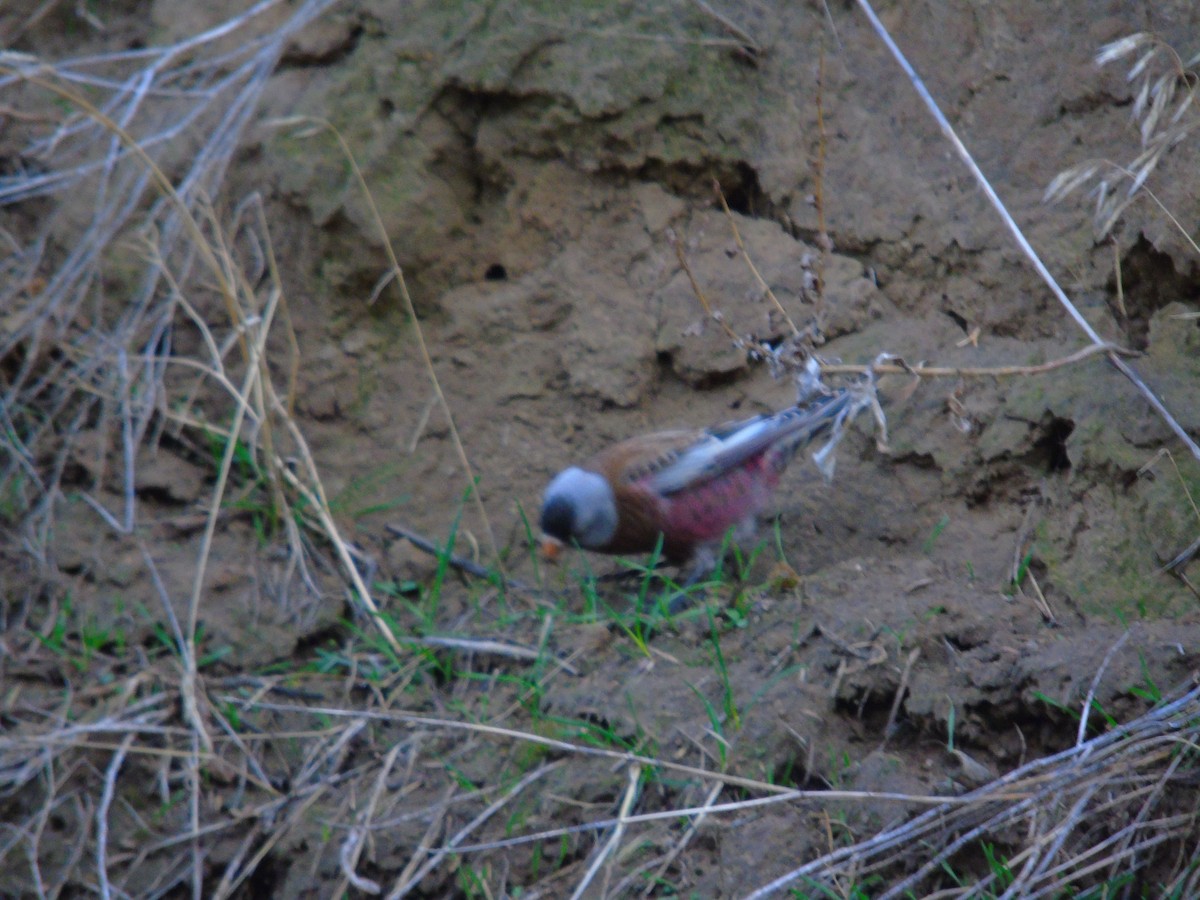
[551,548]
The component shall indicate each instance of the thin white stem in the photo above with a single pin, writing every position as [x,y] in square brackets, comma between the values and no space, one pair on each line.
[965,155]
[614,840]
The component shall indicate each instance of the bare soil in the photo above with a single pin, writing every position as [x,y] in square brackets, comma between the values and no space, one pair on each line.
[533,167]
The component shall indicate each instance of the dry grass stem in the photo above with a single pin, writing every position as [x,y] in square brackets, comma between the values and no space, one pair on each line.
[1019,236]
[747,44]
[1090,699]
[1097,777]
[406,884]
[684,839]
[717,317]
[411,311]
[610,846]
[356,837]
[758,350]
[778,793]
[468,566]
[1164,115]
[823,238]
[924,371]
[762,284]
[901,689]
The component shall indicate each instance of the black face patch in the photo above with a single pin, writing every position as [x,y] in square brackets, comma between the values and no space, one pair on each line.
[558,519]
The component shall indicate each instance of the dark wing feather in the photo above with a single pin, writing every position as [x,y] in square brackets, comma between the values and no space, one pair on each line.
[727,446]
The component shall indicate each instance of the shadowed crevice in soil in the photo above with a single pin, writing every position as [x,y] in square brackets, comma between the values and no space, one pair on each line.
[1150,280]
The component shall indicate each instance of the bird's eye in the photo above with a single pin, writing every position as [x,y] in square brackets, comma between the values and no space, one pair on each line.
[558,519]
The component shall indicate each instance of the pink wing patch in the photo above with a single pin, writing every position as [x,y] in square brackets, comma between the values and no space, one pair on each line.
[703,513]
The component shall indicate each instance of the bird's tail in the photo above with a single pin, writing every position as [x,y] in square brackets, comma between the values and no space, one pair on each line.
[783,433]
[799,426]
[779,436]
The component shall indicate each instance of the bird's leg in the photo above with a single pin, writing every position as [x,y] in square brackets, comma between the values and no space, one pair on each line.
[703,563]
[705,560]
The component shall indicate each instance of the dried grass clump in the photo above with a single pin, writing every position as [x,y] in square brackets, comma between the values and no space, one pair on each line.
[1096,813]
[95,300]
[1164,114]
[74,350]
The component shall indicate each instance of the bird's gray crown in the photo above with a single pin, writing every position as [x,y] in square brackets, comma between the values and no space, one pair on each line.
[580,506]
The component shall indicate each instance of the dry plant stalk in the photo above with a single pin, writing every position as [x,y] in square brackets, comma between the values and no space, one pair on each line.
[762,284]
[823,237]
[1163,113]
[1121,777]
[397,275]
[123,365]
[1019,236]
[791,356]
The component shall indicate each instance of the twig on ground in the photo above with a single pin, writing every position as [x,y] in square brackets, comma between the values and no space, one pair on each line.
[866,650]
[1182,558]
[356,837]
[1103,769]
[890,728]
[407,883]
[924,371]
[463,564]
[106,798]
[1086,711]
[623,757]
[681,844]
[1040,600]
[608,851]
[233,878]
[749,46]
[498,648]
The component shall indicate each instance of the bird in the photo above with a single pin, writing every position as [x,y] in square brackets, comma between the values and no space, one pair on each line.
[682,490]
